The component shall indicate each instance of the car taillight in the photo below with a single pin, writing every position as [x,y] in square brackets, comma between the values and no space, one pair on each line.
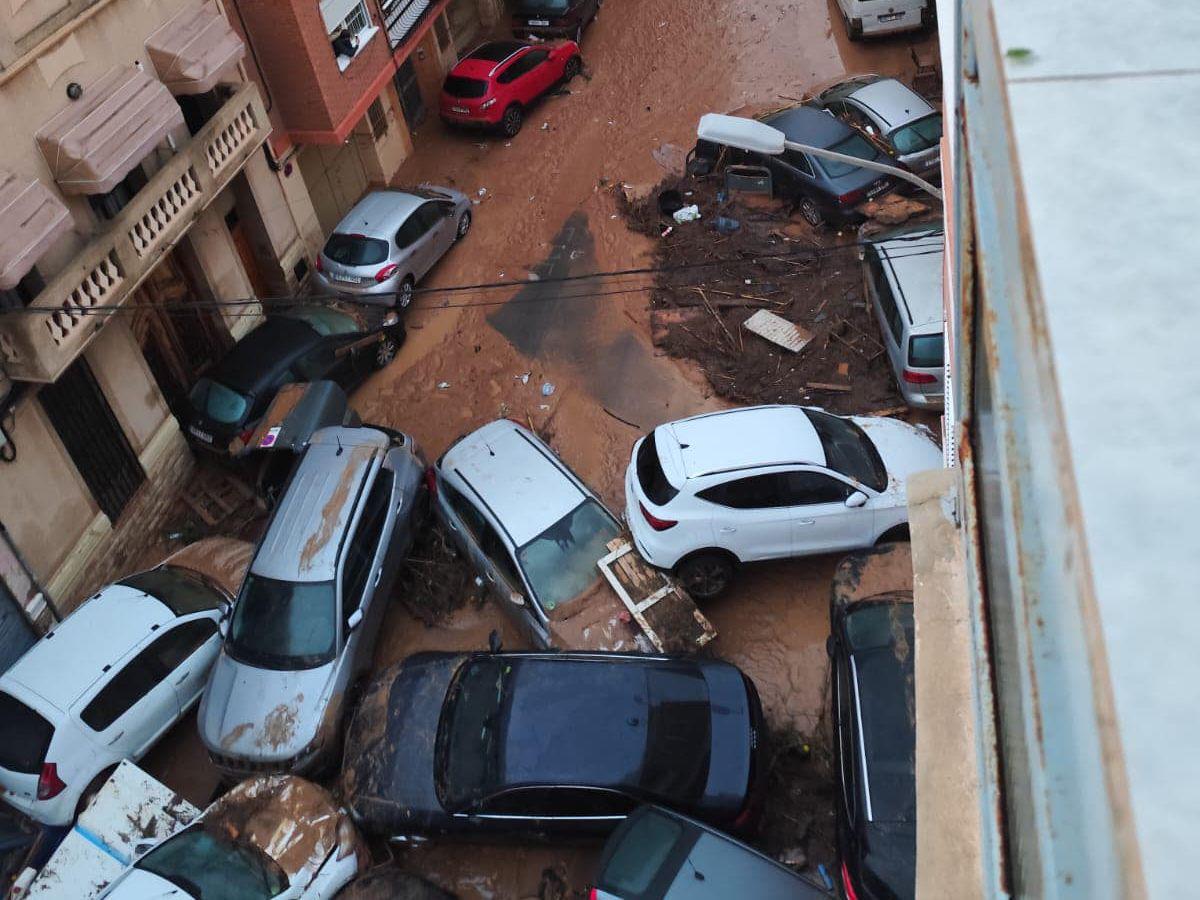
[918,377]
[431,481]
[245,436]
[593,894]
[849,199]
[49,784]
[654,521]
[744,817]
[387,272]
[847,887]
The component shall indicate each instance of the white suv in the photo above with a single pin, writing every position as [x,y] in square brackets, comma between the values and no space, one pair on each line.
[106,683]
[764,482]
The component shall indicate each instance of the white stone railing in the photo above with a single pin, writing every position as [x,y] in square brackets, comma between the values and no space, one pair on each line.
[38,347]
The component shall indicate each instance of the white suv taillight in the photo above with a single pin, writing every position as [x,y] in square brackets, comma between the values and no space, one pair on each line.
[49,784]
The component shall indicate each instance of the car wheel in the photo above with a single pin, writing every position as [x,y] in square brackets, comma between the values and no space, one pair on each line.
[386,349]
[896,535]
[405,295]
[811,212]
[574,66]
[705,575]
[464,225]
[511,123]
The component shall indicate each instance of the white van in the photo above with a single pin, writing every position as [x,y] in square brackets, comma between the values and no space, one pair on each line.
[869,18]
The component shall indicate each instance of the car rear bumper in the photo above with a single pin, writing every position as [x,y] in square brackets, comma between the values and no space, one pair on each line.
[906,20]
[488,119]
[58,810]
[375,291]
[650,544]
[545,32]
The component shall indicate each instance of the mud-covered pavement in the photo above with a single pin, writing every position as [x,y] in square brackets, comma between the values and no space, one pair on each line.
[548,208]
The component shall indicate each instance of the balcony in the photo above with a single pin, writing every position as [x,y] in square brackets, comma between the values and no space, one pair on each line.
[400,17]
[72,308]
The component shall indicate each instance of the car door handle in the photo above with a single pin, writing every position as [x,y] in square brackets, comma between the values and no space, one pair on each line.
[728,529]
[490,577]
[182,678]
[453,525]
[806,521]
[120,735]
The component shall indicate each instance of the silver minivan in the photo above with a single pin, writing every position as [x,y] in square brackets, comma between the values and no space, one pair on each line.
[304,625]
[389,240]
[902,270]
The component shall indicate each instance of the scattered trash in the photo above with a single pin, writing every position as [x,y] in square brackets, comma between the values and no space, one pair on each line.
[748,281]
[481,192]
[727,225]
[174,535]
[508,143]
[547,389]
[794,857]
[825,876]
[442,385]
[832,388]
[778,330]
[534,276]
[545,126]
[667,230]
[523,377]
[688,214]
[543,406]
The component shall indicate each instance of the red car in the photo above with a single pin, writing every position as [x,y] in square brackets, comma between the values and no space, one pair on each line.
[494,85]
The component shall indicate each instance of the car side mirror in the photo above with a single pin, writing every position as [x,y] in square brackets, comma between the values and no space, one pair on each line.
[355,620]
[223,625]
[857,499]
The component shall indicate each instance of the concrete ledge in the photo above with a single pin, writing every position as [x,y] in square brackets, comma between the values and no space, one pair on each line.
[950,804]
[62,584]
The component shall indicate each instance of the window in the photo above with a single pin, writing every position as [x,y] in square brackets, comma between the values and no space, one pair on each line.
[657,488]
[179,643]
[560,563]
[554,802]
[360,555]
[466,756]
[467,88]
[919,135]
[798,161]
[139,677]
[221,404]
[755,492]
[520,66]
[205,862]
[283,625]
[24,293]
[315,363]
[883,290]
[26,736]
[641,854]
[377,116]
[412,229]
[107,206]
[433,212]
[854,145]
[846,749]
[493,548]
[179,590]
[464,509]
[355,249]
[848,450]
[678,734]
[926,351]
[809,488]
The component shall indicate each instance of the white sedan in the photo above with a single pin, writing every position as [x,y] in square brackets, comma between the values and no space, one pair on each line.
[766,482]
[274,837]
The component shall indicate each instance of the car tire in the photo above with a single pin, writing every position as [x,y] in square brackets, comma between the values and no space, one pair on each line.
[896,535]
[512,120]
[93,789]
[405,295]
[811,212]
[573,67]
[464,225]
[386,349]
[706,574]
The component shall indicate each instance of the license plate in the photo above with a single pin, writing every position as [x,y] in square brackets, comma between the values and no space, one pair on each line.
[202,435]
[460,109]
[891,17]
[349,279]
[878,188]
[543,22]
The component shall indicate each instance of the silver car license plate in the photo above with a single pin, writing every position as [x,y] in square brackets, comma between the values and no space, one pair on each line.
[202,435]
[891,17]
[877,188]
[543,22]
[460,109]
[349,279]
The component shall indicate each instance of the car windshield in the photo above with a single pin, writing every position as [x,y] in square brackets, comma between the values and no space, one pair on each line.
[638,858]
[26,736]
[848,450]
[219,403]
[560,563]
[209,866]
[655,484]
[884,684]
[284,624]
[678,735]
[355,249]
[533,7]
[926,351]
[181,591]
[469,88]
[919,135]
[853,145]
[467,764]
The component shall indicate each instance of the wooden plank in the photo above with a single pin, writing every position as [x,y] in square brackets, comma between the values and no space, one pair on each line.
[822,386]
[778,330]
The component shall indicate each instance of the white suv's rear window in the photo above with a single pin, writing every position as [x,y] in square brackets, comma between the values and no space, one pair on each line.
[26,736]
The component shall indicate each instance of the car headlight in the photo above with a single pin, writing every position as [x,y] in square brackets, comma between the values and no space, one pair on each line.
[488,104]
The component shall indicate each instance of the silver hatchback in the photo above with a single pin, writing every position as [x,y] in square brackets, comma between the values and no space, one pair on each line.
[389,240]
[305,622]
[893,115]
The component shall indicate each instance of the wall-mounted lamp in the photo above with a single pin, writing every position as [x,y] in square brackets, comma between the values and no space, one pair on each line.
[74,90]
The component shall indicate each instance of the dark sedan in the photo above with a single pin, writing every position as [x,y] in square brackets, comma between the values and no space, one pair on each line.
[305,343]
[535,744]
[823,189]
[553,18]
[871,646]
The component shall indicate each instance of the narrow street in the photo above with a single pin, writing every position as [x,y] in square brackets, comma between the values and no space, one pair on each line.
[548,208]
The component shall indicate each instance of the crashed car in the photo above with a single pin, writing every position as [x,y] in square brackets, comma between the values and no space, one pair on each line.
[308,342]
[277,837]
[552,743]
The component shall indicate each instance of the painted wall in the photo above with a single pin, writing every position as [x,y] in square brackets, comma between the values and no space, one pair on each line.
[117,361]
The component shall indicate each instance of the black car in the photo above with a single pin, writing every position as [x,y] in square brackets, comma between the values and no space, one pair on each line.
[821,189]
[871,645]
[305,343]
[536,744]
[553,18]
[657,854]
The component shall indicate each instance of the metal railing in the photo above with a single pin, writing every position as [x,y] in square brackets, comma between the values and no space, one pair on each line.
[400,17]
[38,347]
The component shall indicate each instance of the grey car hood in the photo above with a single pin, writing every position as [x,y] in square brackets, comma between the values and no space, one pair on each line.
[263,715]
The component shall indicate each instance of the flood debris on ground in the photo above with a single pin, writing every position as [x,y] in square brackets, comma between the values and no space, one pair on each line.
[435,581]
[797,826]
